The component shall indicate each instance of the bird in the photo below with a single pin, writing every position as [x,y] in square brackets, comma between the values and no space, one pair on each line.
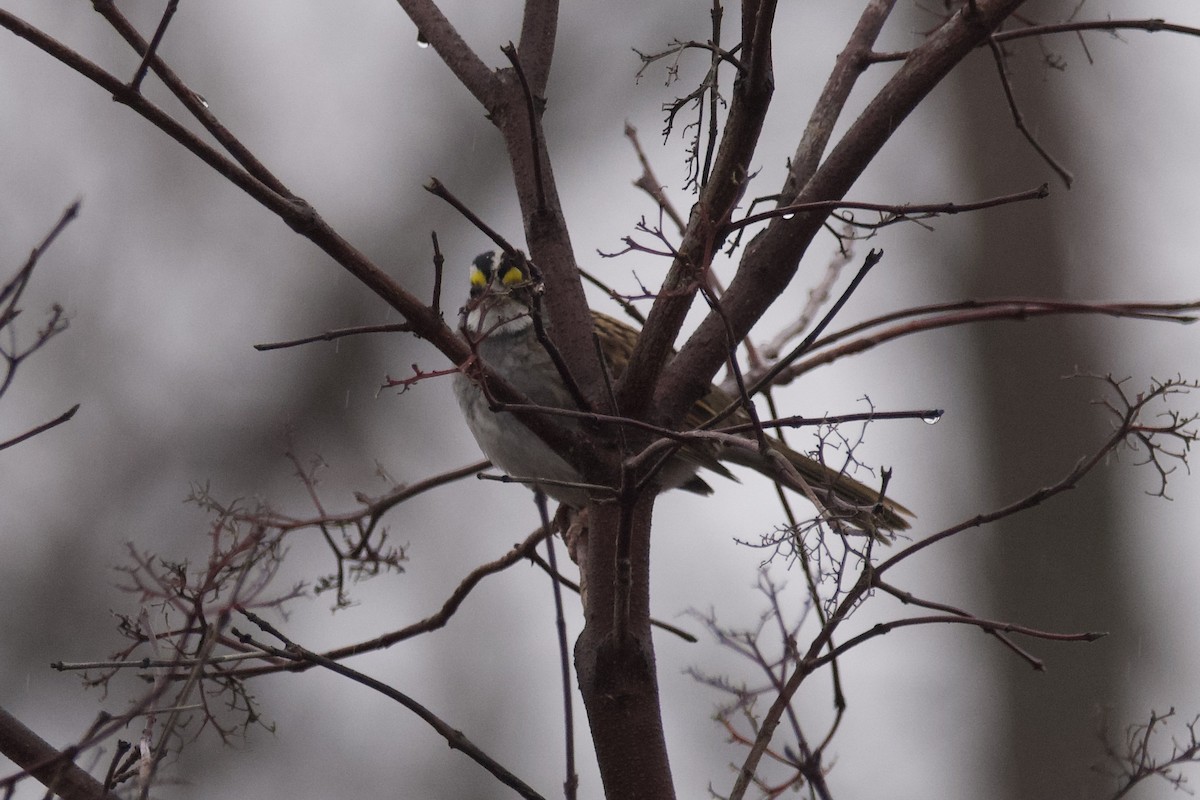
[498,319]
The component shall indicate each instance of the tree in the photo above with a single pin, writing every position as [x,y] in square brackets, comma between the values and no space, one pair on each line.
[616,649]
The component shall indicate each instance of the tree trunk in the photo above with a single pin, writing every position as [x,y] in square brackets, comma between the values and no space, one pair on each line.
[614,657]
[1057,567]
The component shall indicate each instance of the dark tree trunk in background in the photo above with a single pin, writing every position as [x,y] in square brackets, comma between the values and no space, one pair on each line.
[1059,567]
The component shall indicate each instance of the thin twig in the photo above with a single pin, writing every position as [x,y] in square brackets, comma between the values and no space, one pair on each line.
[735,372]
[714,94]
[192,101]
[648,182]
[148,57]
[439,263]
[431,623]
[1128,424]
[928,415]
[556,357]
[329,336]
[438,189]
[454,737]
[908,598]
[510,51]
[873,258]
[625,305]
[45,426]
[1110,25]
[882,628]
[901,211]
[818,295]
[207,635]
[571,782]
[970,311]
[12,290]
[574,587]
[1019,118]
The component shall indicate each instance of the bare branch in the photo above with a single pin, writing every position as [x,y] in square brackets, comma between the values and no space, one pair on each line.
[1019,118]
[639,387]
[454,737]
[539,28]
[45,426]
[294,211]
[193,102]
[818,295]
[850,64]
[869,575]
[1141,755]
[54,768]
[532,111]
[954,619]
[1074,26]
[769,377]
[1128,423]
[14,354]
[431,623]
[439,263]
[649,184]
[895,212]
[438,189]
[908,598]
[1111,25]
[159,32]
[771,260]
[338,333]
[434,28]
[571,782]
[970,311]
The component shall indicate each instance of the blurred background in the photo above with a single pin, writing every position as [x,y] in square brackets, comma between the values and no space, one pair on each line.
[170,275]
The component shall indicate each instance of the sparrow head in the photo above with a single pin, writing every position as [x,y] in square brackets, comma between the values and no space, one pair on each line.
[502,293]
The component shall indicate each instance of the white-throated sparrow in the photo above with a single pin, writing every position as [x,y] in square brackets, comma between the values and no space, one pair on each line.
[498,319]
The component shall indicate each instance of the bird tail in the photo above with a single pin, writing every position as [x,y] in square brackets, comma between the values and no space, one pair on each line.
[836,493]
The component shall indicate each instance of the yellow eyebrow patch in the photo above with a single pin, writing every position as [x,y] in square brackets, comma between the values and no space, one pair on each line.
[513,275]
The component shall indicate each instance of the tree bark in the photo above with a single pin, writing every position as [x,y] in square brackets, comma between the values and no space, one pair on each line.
[614,656]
